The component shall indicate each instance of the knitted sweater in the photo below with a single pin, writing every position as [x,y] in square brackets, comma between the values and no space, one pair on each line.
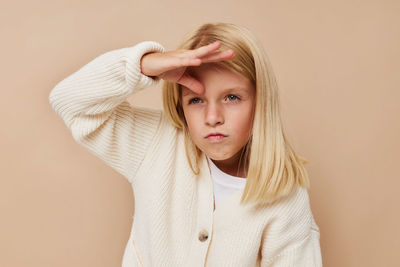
[174,222]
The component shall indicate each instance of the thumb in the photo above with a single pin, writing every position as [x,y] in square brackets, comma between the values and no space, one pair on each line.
[191,83]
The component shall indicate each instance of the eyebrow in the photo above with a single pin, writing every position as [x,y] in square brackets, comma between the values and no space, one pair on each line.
[226,90]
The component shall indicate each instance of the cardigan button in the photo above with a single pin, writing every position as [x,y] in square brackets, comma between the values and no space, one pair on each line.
[203,235]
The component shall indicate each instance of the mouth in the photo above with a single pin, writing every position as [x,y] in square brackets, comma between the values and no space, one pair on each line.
[215,137]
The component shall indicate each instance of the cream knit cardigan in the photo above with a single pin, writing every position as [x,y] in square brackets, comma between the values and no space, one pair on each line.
[174,222]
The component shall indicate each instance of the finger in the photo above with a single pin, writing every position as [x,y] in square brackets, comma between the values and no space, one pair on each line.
[219,56]
[191,83]
[172,63]
[186,61]
[204,50]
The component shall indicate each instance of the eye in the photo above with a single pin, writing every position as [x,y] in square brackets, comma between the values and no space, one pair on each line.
[230,97]
[235,98]
[193,99]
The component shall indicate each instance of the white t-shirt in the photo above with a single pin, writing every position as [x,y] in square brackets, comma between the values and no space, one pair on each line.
[224,184]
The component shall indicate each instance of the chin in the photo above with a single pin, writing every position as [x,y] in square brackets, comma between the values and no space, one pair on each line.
[217,156]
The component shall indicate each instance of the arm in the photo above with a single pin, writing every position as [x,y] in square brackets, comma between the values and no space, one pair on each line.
[306,253]
[92,103]
[293,237]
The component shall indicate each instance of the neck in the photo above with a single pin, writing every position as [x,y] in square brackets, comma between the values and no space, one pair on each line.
[231,165]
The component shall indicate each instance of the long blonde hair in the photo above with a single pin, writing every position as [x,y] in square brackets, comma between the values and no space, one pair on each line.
[274,169]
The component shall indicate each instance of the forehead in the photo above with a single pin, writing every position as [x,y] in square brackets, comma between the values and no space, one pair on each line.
[235,89]
[218,80]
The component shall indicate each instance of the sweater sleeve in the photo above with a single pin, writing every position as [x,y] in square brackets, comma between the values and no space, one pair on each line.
[306,253]
[293,238]
[92,103]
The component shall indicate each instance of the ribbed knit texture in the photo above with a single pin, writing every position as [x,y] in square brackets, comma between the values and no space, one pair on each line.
[174,223]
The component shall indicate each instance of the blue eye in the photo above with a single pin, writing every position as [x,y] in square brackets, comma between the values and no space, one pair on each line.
[191,100]
[235,97]
[230,97]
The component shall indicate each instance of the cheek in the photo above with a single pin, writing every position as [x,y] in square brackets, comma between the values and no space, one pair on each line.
[242,124]
[193,123]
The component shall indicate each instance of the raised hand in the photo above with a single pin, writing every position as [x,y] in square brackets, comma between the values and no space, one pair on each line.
[171,65]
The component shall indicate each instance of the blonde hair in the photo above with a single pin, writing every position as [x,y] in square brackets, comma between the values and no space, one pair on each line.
[274,169]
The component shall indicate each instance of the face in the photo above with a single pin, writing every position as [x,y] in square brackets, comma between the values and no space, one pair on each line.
[226,107]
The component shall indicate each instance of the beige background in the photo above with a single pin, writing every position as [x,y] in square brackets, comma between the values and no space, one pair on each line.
[337,64]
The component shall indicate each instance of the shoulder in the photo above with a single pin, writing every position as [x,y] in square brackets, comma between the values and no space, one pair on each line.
[295,211]
[291,218]
[292,229]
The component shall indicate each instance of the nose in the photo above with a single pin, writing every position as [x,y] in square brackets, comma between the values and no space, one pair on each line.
[214,115]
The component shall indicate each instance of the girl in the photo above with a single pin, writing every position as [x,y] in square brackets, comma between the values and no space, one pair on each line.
[215,181]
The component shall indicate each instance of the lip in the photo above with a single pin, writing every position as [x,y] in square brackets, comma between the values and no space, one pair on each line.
[215,137]
[215,134]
